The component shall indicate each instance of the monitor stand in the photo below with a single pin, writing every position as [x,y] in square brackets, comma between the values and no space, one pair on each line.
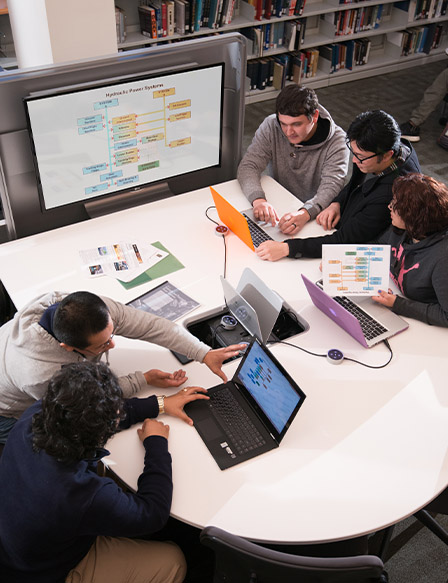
[128,199]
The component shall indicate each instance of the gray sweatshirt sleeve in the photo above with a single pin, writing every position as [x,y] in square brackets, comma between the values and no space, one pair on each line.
[132,323]
[255,161]
[333,174]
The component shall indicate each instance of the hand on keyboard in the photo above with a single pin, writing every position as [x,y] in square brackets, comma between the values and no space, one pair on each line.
[264,211]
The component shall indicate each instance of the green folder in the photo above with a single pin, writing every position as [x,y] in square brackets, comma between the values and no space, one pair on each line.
[167,265]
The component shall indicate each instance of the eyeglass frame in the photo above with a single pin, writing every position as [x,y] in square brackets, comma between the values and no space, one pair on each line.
[104,346]
[347,143]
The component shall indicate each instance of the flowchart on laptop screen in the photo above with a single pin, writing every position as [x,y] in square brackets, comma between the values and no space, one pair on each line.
[355,269]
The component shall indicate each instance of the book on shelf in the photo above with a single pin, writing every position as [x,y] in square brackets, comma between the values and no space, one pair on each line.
[179,13]
[198,15]
[267,37]
[157,5]
[327,58]
[278,79]
[300,5]
[120,22]
[148,22]
[170,17]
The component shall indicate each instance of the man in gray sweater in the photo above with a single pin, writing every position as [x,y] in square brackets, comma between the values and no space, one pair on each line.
[58,329]
[304,151]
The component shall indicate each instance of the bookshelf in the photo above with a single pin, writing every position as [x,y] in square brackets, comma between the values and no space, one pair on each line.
[384,56]
[321,30]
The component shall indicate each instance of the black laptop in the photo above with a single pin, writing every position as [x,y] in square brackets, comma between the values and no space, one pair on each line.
[250,414]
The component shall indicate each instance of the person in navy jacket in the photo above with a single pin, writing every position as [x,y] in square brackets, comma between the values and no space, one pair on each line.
[62,522]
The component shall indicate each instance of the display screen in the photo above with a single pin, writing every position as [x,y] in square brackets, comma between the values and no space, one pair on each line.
[93,142]
[269,386]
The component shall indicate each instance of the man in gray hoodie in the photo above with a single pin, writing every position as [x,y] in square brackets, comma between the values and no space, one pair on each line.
[58,329]
[305,152]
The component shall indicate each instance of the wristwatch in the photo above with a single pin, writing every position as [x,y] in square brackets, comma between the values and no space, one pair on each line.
[161,404]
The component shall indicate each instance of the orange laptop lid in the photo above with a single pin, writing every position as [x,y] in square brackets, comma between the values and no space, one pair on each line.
[232,219]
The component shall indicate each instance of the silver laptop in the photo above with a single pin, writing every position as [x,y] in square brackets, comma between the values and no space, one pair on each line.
[253,304]
[367,322]
[272,231]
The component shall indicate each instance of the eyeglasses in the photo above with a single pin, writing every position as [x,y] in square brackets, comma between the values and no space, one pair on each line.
[102,347]
[360,160]
[106,344]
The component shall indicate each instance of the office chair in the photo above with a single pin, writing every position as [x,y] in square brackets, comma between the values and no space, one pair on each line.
[240,561]
[7,308]
[426,519]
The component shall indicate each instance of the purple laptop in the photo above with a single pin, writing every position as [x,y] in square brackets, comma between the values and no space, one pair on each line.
[366,321]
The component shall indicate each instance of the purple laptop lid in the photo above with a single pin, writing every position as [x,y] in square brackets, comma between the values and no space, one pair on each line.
[334,311]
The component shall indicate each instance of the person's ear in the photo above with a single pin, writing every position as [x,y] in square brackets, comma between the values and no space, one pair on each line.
[316,116]
[66,347]
[388,155]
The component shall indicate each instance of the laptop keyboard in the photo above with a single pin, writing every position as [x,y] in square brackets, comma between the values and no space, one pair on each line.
[370,327]
[256,232]
[239,429]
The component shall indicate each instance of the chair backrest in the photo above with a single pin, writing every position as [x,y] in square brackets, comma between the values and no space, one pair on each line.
[7,308]
[240,561]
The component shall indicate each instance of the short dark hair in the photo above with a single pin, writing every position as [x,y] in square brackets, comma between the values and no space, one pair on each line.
[375,131]
[81,410]
[422,204]
[78,317]
[295,100]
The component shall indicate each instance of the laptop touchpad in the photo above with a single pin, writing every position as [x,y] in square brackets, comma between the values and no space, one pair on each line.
[209,429]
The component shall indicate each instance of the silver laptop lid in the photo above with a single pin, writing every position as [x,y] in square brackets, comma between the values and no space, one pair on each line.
[265,301]
[241,310]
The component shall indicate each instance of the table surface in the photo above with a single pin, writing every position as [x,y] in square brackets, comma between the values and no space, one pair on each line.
[368,447]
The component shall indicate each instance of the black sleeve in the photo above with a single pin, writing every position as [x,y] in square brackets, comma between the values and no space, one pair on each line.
[137,410]
[362,227]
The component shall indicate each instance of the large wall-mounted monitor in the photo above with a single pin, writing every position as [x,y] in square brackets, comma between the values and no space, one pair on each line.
[125,134]
[83,139]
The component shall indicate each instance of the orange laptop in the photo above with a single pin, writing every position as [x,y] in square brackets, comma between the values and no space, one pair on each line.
[242,224]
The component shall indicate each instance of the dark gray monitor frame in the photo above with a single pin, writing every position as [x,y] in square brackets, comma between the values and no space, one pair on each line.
[18,180]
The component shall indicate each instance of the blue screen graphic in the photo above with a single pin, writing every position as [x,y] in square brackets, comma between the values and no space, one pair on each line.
[269,387]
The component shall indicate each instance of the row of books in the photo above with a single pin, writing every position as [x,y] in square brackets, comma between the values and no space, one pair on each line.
[276,71]
[345,55]
[164,18]
[284,34]
[265,9]
[423,9]
[421,39]
[355,20]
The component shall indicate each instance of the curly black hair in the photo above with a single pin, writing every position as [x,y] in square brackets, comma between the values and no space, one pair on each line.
[81,410]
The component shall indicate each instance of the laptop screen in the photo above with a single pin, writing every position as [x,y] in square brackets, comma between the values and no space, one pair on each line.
[270,387]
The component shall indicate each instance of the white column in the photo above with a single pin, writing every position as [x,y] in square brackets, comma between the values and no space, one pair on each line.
[30,32]
[56,31]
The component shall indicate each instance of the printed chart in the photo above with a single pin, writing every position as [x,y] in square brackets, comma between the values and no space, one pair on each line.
[355,269]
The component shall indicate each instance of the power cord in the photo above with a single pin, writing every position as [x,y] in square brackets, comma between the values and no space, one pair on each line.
[223,238]
[386,342]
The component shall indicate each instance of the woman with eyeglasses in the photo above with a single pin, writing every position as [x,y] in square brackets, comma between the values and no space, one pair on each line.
[419,249]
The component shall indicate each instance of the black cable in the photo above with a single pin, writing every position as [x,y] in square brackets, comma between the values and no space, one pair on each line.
[345,357]
[223,237]
[213,338]
[209,218]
